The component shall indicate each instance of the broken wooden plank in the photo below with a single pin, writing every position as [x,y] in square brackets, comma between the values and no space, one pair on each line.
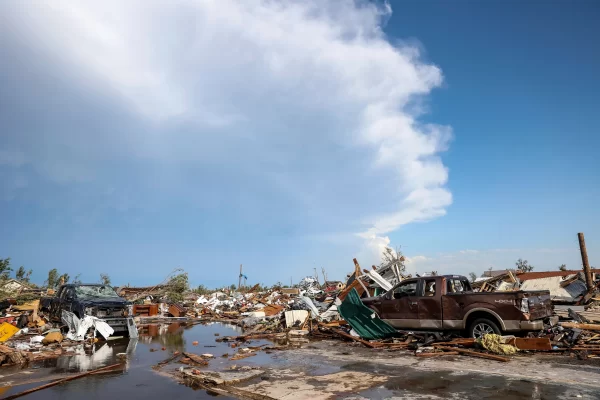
[354,285]
[467,342]
[228,391]
[473,353]
[347,336]
[196,358]
[335,323]
[537,344]
[441,353]
[240,356]
[587,327]
[58,382]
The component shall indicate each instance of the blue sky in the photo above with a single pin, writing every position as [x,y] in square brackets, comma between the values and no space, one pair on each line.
[288,136]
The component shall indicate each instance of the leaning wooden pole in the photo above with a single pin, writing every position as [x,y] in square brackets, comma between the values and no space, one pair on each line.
[586,265]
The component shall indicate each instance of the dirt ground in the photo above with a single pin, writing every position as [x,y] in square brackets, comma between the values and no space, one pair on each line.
[332,369]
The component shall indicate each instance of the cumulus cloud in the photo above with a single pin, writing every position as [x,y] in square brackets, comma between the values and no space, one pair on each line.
[304,110]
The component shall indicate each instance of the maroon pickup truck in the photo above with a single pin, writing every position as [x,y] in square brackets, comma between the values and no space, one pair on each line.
[447,303]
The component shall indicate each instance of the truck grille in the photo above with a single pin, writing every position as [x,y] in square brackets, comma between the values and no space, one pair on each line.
[109,312]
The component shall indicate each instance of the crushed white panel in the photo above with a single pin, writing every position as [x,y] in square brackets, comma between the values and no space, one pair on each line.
[78,328]
[313,310]
[295,315]
[385,285]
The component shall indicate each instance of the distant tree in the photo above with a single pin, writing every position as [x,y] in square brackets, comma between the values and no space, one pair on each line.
[77,280]
[391,257]
[20,274]
[5,268]
[53,278]
[232,287]
[104,279]
[27,275]
[176,287]
[201,289]
[523,265]
[64,279]
[563,267]
[472,276]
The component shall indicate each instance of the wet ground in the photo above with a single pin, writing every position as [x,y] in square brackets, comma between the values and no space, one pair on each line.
[318,370]
[455,377]
[138,379]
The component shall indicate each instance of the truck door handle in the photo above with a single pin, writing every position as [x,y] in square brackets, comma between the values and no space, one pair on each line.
[413,304]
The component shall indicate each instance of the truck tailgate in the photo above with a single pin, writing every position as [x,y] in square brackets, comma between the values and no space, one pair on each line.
[540,304]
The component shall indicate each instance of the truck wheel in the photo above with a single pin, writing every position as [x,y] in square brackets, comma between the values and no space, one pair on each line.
[483,326]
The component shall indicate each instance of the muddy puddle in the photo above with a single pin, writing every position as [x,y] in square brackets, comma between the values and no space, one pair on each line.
[410,383]
[157,342]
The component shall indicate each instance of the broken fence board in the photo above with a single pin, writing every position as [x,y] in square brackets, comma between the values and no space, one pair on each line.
[474,353]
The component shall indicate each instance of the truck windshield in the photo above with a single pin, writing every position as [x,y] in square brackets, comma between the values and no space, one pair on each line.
[95,291]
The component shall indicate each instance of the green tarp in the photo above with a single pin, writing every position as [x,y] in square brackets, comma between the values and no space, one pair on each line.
[359,317]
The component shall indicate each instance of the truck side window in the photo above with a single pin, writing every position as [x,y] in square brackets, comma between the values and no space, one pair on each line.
[429,287]
[456,286]
[405,289]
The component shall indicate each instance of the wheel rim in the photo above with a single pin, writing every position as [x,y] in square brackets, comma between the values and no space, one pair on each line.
[482,329]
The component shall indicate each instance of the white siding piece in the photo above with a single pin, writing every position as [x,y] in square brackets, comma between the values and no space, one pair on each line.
[553,285]
[295,315]
[380,280]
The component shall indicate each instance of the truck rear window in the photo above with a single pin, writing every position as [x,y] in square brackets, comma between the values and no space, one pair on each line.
[457,286]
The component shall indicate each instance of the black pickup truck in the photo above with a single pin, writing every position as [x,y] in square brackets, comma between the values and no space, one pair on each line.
[97,300]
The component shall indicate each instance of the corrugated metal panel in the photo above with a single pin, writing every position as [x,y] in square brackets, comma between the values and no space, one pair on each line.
[359,317]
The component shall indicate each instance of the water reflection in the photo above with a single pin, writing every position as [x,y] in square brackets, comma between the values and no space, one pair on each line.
[95,356]
[169,336]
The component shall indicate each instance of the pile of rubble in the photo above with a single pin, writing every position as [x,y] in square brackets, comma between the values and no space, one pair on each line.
[27,335]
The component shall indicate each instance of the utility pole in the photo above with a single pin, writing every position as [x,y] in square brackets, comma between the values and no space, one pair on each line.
[240,278]
[586,265]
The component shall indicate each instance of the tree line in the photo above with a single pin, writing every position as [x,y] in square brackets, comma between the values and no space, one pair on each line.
[53,280]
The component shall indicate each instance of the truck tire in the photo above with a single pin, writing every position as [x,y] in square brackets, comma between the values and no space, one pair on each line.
[482,326]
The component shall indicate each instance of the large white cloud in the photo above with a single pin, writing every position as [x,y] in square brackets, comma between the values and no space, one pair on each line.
[308,100]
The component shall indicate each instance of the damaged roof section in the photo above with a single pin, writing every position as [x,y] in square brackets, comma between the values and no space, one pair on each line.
[568,288]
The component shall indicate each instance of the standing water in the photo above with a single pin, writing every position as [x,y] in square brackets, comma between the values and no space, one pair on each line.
[138,379]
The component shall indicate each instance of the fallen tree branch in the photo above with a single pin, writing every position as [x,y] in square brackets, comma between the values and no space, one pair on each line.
[58,382]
